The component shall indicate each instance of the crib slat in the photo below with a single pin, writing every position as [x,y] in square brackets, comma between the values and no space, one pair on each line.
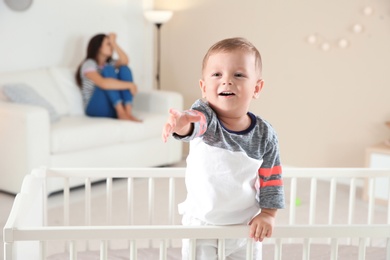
[42,248]
[371,200]
[171,204]
[87,186]
[72,250]
[334,249]
[332,200]
[103,250]
[151,200]
[293,197]
[163,250]
[306,249]
[362,249]
[45,207]
[192,248]
[352,199]
[133,250]
[109,204]
[109,201]
[351,204]
[151,205]
[371,204]
[278,249]
[221,249]
[249,249]
[313,197]
[66,201]
[130,200]
[45,218]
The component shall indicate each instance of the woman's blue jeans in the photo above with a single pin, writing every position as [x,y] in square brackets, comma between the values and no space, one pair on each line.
[103,101]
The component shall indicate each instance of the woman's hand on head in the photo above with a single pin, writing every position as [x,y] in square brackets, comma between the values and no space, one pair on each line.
[112,38]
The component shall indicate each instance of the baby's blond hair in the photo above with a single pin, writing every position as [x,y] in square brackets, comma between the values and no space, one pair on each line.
[231,44]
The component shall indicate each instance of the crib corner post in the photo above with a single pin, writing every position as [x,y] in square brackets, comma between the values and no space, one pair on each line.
[8,254]
[388,249]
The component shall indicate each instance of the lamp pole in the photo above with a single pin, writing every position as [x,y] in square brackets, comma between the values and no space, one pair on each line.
[158,17]
[158,25]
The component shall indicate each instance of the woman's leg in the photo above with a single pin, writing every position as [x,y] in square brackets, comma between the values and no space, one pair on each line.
[115,96]
[99,105]
[125,73]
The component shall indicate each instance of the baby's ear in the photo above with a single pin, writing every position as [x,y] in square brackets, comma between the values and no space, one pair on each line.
[202,86]
[258,88]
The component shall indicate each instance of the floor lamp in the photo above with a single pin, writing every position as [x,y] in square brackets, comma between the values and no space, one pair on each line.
[158,17]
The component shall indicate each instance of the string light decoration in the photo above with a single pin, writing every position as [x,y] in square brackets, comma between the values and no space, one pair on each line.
[341,43]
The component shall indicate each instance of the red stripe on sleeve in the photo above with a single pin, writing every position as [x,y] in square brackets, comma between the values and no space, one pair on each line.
[270,183]
[267,172]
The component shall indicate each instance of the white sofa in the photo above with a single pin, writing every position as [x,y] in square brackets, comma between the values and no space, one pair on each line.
[29,139]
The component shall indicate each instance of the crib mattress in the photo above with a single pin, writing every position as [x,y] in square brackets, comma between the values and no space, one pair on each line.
[290,252]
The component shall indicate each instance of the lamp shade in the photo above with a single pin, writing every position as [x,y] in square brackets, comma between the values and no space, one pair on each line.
[158,16]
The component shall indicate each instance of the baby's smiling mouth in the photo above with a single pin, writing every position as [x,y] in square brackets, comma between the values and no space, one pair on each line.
[226,93]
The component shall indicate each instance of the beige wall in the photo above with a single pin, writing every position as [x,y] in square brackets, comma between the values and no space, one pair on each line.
[326,106]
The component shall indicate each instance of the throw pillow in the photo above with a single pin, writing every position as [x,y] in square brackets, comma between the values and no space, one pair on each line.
[24,94]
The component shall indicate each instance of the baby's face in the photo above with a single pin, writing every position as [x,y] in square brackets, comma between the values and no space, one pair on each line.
[230,81]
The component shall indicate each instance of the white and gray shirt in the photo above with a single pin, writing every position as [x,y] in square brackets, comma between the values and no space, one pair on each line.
[231,175]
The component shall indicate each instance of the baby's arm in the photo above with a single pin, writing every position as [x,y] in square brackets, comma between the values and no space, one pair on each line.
[262,225]
[180,123]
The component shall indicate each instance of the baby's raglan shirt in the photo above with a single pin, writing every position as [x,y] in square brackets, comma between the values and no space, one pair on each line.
[231,175]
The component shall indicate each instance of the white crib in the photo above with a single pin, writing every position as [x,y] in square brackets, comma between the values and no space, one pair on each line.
[133,215]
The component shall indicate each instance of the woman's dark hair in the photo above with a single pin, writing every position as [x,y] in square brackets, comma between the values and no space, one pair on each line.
[92,52]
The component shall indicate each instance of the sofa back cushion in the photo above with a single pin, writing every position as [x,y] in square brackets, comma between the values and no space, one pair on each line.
[42,82]
[24,94]
[66,82]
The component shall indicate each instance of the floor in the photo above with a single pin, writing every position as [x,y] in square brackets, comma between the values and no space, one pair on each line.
[55,209]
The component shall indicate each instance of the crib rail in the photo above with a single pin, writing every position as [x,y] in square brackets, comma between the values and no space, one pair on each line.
[298,221]
[164,233]
[355,178]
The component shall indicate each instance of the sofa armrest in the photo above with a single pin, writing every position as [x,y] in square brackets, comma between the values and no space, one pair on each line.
[158,101]
[25,142]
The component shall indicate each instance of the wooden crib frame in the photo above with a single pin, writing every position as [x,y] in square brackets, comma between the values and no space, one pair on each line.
[32,201]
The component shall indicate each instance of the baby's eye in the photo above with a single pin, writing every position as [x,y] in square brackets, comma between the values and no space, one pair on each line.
[239,75]
[216,74]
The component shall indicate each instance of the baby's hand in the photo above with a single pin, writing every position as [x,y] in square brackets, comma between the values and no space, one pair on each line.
[179,122]
[261,226]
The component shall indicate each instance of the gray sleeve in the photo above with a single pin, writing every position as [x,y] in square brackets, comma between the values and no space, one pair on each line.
[270,173]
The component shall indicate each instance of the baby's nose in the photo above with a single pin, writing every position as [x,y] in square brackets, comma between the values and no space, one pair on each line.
[227,81]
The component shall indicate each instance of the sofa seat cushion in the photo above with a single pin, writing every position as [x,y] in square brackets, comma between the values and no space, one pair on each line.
[151,126]
[73,133]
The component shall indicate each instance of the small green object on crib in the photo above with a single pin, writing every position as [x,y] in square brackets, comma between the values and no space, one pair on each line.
[298,202]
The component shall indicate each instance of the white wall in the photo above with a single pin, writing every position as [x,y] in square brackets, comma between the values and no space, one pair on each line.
[56,33]
[327,106]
